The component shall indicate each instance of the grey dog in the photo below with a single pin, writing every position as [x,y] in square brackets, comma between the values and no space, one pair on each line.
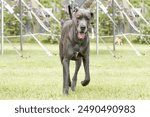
[74,45]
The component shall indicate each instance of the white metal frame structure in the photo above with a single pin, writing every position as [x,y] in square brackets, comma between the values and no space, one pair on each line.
[2,27]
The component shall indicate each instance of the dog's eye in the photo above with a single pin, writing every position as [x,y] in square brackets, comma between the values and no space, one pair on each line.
[87,18]
[78,17]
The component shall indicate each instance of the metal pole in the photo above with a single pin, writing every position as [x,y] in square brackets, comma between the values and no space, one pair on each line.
[2,26]
[143,11]
[72,5]
[21,37]
[141,32]
[97,28]
[114,35]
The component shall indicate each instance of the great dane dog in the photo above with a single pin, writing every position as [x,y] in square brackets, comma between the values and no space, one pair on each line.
[74,45]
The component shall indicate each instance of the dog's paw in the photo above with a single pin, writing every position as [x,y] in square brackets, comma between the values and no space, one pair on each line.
[65,92]
[69,83]
[73,86]
[85,82]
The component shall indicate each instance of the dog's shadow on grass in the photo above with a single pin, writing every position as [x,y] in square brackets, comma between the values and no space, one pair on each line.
[98,92]
[86,93]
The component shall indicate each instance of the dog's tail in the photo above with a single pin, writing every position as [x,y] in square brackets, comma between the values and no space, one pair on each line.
[62,22]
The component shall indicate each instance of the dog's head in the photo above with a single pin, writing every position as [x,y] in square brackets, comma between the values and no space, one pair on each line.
[82,19]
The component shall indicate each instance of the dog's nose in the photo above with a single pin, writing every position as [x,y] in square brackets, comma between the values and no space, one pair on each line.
[82,28]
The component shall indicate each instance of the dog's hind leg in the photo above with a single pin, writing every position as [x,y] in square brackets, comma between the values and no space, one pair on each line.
[86,68]
[69,81]
[74,79]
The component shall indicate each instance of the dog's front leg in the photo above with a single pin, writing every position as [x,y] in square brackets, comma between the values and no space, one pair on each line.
[74,79]
[86,68]
[65,76]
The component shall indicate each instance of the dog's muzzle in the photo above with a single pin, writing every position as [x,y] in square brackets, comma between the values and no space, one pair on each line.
[82,33]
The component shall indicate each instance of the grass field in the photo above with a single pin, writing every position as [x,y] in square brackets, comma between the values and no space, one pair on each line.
[40,77]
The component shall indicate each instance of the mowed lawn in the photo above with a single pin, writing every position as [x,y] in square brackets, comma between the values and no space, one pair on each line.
[40,77]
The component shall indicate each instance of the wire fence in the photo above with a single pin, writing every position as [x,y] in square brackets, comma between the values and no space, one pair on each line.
[55,35]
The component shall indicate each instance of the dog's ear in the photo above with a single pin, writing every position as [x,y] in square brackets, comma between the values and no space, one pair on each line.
[92,15]
[62,22]
[92,19]
[76,9]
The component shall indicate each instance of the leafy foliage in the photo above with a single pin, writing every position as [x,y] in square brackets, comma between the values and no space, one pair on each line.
[12,25]
[145,31]
[105,25]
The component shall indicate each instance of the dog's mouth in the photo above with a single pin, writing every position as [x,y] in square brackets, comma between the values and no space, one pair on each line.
[81,35]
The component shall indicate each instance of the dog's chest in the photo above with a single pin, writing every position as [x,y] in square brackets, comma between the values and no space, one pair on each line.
[76,48]
[77,51]
[80,47]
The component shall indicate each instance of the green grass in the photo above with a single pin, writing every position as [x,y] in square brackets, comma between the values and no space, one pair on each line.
[40,77]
